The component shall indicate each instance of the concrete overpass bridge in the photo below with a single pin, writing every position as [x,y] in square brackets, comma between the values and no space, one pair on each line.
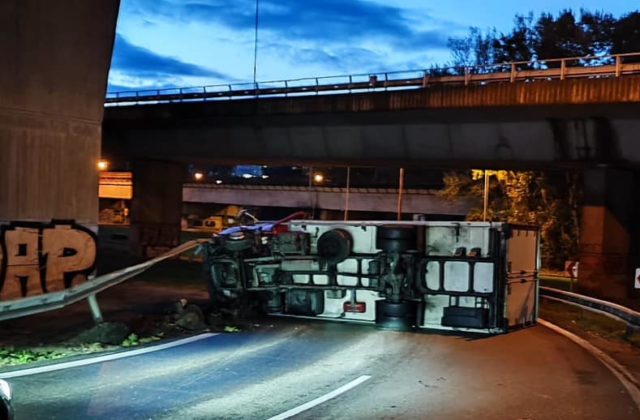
[557,117]
[584,116]
[384,200]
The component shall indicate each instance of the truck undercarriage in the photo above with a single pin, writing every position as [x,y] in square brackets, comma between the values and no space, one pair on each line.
[463,276]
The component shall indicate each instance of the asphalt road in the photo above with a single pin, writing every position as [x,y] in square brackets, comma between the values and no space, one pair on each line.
[529,374]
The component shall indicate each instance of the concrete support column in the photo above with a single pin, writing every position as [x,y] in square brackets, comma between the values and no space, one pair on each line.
[53,77]
[156,207]
[607,233]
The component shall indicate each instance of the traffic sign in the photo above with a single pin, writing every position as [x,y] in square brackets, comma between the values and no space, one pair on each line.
[571,267]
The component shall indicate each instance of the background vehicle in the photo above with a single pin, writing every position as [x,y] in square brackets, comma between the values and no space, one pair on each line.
[464,276]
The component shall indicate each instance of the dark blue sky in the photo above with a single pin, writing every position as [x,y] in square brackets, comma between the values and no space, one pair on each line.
[205,42]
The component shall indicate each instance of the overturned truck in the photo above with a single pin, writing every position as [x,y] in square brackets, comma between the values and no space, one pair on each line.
[459,276]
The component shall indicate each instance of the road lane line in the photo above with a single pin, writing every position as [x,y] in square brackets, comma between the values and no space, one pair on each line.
[105,358]
[326,397]
[627,379]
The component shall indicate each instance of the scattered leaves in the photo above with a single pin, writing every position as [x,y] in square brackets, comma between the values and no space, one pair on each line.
[231,329]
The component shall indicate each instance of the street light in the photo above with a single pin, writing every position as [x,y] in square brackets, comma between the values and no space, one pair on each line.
[103,165]
[318,178]
[198,176]
[486,174]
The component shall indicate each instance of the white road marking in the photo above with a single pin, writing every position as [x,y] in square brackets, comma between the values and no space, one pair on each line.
[326,397]
[624,376]
[105,358]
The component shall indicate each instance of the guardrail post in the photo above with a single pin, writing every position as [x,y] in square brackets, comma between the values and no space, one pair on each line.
[466,76]
[180,94]
[618,65]
[425,79]
[256,87]
[513,73]
[286,88]
[230,92]
[350,83]
[95,309]
[386,79]
[317,86]
[563,65]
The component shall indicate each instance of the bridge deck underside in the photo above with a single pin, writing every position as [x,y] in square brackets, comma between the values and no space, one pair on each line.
[572,122]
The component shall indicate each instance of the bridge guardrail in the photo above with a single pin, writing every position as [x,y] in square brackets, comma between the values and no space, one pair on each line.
[17,308]
[627,315]
[547,69]
[314,188]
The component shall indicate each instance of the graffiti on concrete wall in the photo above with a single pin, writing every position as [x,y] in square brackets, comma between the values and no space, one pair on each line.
[38,258]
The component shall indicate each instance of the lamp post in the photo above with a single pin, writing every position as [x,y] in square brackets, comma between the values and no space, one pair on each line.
[485,201]
[486,173]
[400,192]
[346,194]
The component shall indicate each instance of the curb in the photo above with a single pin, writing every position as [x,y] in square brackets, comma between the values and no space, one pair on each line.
[627,379]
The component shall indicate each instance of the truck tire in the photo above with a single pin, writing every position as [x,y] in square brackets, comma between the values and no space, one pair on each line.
[334,246]
[239,242]
[396,238]
[397,316]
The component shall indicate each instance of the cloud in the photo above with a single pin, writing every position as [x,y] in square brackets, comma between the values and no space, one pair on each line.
[336,21]
[135,67]
[141,62]
[121,82]
[346,59]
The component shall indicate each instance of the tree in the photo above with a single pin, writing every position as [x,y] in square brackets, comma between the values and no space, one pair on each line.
[568,34]
[473,50]
[626,34]
[549,200]
[560,37]
[598,30]
[519,45]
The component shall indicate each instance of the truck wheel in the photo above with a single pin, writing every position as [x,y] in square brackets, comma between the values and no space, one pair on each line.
[397,316]
[396,238]
[239,242]
[335,245]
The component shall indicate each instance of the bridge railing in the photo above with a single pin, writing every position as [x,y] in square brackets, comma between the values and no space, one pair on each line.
[518,71]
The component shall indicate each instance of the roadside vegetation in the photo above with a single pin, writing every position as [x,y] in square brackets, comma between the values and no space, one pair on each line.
[587,324]
[569,34]
[547,199]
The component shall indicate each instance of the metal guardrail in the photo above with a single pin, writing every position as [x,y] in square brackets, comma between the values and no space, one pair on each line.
[517,71]
[57,300]
[631,317]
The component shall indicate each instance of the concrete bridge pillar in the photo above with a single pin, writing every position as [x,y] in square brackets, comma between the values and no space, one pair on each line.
[156,207]
[608,233]
[53,77]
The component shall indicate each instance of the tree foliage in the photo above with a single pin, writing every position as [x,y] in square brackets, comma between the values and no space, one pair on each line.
[549,200]
[569,34]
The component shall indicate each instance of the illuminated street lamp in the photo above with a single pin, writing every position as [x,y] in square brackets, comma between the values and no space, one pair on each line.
[103,165]
[486,174]
[318,178]
[198,176]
